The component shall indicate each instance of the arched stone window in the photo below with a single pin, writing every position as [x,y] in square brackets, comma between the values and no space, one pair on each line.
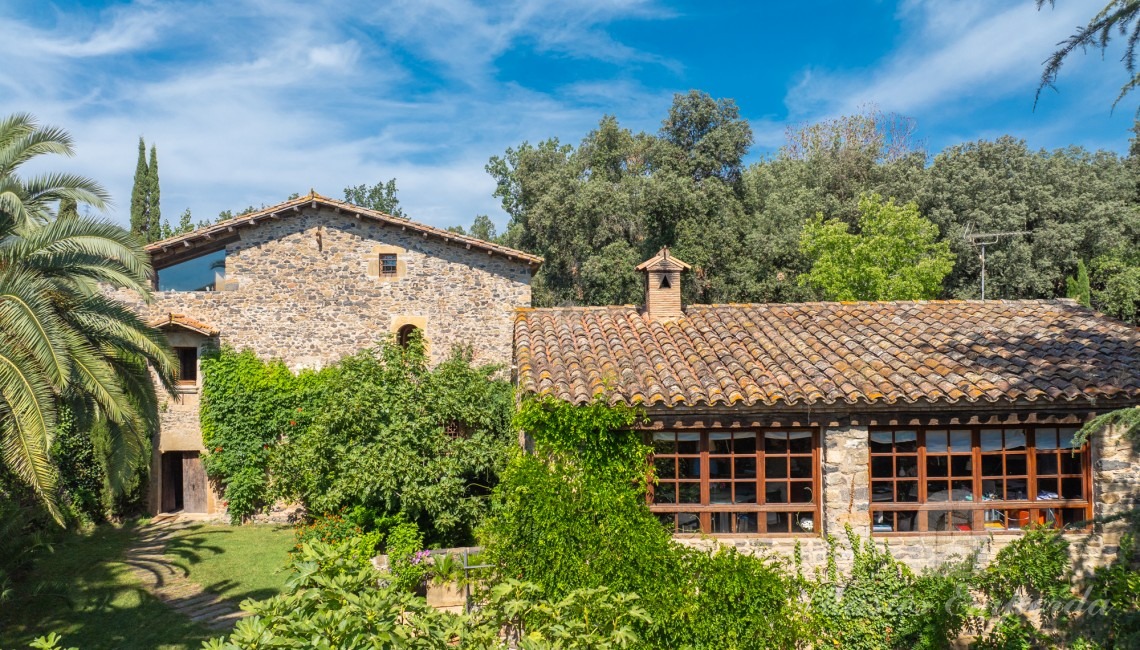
[404,335]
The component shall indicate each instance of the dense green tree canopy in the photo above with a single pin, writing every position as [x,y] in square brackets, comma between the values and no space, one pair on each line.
[381,197]
[894,256]
[595,210]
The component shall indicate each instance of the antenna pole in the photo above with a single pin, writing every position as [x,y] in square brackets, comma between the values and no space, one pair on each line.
[983,239]
[983,271]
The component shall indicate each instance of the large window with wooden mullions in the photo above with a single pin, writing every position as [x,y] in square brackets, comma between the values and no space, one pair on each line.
[935,480]
[741,482]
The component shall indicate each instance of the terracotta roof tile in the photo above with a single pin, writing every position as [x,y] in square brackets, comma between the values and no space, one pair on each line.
[827,353]
[185,322]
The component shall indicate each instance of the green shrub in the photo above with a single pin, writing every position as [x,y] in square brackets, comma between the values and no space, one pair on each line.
[740,601]
[880,604]
[1111,614]
[515,613]
[81,475]
[335,530]
[334,602]
[409,562]
[26,531]
[378,434]
[1035,565]
[573,516]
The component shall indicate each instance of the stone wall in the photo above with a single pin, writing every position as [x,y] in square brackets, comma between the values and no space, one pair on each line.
[304,289]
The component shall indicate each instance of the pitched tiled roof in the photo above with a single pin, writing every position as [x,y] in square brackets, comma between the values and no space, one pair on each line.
[829,353]
[185,322]
[213,233]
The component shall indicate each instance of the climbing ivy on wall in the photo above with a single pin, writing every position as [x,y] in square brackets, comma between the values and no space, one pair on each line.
[379,432]
[249,406]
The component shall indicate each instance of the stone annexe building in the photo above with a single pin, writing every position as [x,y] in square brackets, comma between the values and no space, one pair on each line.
[309,281]
[932,425]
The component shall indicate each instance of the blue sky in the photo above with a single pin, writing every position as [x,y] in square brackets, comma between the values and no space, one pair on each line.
[249,101]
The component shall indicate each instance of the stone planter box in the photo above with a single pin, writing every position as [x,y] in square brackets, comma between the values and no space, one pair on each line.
[448,597]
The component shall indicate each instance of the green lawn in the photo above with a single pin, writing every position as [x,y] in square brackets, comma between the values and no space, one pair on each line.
[84,592]
[237,562]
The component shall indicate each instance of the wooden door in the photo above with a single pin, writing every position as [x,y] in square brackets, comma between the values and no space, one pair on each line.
[193,483]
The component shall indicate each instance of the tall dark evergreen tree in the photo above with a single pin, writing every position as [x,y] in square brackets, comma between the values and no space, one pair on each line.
[153,199]
[139,219]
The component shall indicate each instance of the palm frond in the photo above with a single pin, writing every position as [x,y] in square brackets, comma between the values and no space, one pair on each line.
[47,189]
[110,323]
[29,317]
[93,237]
[27,420]
[96,377]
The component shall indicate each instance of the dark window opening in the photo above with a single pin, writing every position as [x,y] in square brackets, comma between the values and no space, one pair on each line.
[388,264]
[204,273]
[187,366]
[456,430]
[665,284]
[404,335]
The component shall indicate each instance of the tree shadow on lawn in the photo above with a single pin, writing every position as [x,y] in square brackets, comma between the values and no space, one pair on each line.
[234,563]
[84,591]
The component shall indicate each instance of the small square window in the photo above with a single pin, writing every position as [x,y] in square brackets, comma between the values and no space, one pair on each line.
[388,264]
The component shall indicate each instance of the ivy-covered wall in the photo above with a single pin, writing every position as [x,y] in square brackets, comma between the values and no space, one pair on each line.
[379,430]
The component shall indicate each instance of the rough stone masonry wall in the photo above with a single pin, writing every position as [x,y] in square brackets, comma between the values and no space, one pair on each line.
[300,289]
[846,475]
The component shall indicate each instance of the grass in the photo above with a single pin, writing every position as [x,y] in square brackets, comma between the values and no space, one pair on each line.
[86,594]
[237,562]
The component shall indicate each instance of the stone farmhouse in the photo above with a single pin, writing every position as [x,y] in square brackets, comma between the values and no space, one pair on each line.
[309,281]
[934,425]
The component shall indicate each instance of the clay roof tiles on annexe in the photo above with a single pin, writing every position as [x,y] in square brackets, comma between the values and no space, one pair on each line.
[185,322]
[829,353]
[293,206]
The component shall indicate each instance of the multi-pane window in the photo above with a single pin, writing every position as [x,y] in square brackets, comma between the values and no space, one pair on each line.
[387,264]
[977,479]
[739,482]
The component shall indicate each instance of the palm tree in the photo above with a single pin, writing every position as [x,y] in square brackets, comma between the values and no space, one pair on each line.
[62,339]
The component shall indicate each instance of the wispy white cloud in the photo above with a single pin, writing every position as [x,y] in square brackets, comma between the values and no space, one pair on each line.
[120,31]
[249,101]
[951,53]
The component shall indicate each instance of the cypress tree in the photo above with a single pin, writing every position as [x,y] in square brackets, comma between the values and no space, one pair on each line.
[1078,288]
[139,218]
[154,211]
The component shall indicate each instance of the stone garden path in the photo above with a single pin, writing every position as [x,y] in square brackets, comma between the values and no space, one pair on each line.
[167,582]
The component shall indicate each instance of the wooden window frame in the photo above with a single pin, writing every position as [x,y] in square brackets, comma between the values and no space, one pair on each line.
[181,350]
[977,510]
[705,510]
[389,264]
